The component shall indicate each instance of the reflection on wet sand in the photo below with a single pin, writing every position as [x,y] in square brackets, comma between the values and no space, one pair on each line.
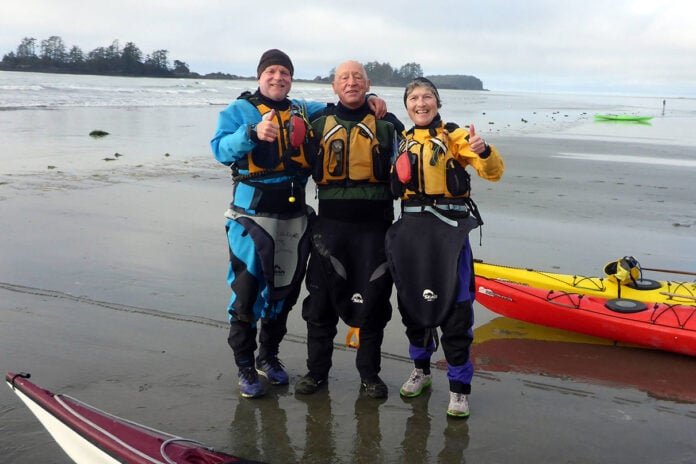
[320,445]
[284,427]
[414,446]
[260,430]
[625,122]
[507,345]
[367,443]
[456,441]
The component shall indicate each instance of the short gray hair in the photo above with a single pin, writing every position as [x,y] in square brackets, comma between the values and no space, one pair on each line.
[422,82]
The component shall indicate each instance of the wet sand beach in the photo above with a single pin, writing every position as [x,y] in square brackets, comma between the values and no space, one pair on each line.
[112,290]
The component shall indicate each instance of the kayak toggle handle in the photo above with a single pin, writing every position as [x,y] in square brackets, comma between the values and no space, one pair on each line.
[24,375]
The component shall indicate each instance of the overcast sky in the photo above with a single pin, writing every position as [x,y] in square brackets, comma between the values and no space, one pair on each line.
[601,46]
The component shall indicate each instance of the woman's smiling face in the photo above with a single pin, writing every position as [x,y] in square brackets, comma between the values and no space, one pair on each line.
[421,105]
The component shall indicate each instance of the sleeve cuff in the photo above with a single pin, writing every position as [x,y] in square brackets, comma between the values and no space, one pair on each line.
[486,153]
[251,133]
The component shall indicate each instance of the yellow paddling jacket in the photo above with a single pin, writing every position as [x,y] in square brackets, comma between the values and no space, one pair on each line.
[439,155]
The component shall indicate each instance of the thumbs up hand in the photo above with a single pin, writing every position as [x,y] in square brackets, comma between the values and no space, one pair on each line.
[268,129]
[476,143]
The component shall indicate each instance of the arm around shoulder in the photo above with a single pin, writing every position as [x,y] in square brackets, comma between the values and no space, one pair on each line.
[311,107]
[398,125]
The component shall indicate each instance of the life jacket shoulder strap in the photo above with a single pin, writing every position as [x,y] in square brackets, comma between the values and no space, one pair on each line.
[246,95]
[451,126]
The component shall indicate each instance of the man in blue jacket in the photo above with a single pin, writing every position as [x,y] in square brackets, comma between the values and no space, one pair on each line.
[265,139]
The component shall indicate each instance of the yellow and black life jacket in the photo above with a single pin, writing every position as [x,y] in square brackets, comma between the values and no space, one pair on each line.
[294,142]
[350,152]
[435,171]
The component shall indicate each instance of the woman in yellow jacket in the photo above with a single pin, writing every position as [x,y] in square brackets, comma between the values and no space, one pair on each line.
[428,247]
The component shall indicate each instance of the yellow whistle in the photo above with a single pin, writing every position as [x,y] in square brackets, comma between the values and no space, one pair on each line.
[292,198]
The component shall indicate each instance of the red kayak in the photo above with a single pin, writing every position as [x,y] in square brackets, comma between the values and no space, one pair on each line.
[669,327]
[91,436]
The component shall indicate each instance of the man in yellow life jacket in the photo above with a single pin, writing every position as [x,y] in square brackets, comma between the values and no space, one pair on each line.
[347,275]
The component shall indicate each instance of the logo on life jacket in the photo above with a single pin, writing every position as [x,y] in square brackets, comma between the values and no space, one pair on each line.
[429,295]
[357,298]
[278,271]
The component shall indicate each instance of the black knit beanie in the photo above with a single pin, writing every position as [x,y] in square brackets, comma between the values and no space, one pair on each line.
[271,57]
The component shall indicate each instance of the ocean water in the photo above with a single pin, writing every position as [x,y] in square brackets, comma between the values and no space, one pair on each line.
[45,119]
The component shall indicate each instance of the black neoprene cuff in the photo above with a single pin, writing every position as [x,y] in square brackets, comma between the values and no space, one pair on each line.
[251,133]
[486,153]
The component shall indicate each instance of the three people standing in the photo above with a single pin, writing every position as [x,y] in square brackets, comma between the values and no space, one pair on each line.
[352,244]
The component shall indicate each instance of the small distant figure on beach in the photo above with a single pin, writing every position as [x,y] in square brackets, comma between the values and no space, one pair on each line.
[664,103]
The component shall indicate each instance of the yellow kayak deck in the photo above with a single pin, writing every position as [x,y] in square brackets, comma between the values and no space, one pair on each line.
[645,290]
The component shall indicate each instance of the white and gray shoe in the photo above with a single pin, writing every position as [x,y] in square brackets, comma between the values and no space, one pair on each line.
[458,405]
[416,383]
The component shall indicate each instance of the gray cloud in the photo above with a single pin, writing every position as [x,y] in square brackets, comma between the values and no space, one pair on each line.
[626,46]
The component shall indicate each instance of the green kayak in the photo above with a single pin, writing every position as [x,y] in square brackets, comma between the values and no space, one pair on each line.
[622,117]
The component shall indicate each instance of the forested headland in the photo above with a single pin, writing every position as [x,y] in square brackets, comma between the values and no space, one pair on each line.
[53,56]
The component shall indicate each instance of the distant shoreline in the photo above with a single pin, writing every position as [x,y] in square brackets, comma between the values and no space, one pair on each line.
[452,82]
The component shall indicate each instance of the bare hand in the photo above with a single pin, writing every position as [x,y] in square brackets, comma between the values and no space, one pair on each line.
[476,143]
[268,129]
[378,106]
